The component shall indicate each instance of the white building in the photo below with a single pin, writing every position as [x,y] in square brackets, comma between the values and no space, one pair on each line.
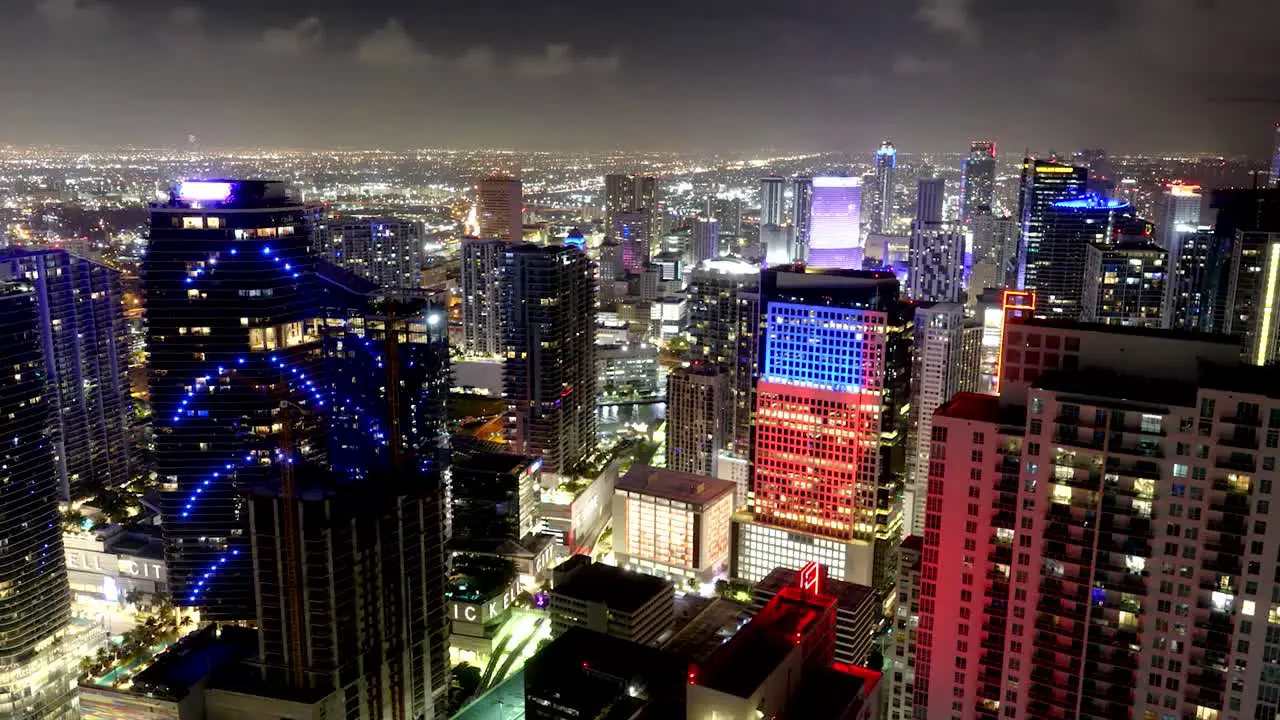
[935,378]
[673,524]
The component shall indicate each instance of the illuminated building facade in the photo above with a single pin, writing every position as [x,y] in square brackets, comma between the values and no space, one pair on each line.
[1177,213]
[1093,545]
[482,296]
[386,251]
[697,414]
[936,263]
[84,339]
[672,524]
[1126,283]
[1197,280]
[930,200]
[835,233]
[978,180]
[1067,229]
[496,496]
[884,198]
[705,240]
[724,321]
[937,352]
[631,232]
[629,194]
[773,201]
[1275,159]
[1043,184]
[549,372]
[37,679]
[1254,295]
[499,209]
[995,251]
[801,212]
[830,442]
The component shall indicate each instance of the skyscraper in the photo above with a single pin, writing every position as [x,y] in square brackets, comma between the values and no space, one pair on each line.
[37,680]
[1043,184]
[482,295]
[835,233]
[772,200]
[549,377]
[631,232]
[936,370]
[1275,158]
[630,193]
[936,261]
[995,251]
[1056,270]
[697,412]
[1197,276]
[883,201]
[229,303]
[930,199]
[978,180]
[1101,566]
[1253,295]
[801,212]
[500,208]
[1178,212]
[829,455]
[387,251]
[724,322]
[84,343]
[1126,283]
[705,242]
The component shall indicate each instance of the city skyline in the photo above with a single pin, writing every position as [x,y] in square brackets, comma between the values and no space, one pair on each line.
[441,76]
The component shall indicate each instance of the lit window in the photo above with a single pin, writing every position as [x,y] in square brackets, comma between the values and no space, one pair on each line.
[193,223]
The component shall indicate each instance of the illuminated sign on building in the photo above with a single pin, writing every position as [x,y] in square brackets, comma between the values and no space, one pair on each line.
[485,612]
[811,577]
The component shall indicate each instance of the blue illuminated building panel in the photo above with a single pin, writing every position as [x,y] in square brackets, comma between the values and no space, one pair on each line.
[823,347]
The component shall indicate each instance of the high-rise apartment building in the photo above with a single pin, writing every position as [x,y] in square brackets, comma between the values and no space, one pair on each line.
[835,233]
[930,201]
[630,193]
[724,321]
[1275,158]
[697,414]
[773,192]
[1068,227]
[500,208]
[935,263]
[1177,213]
[1043,184]
[1126,283]
[495,497]
[1198,273]
[482,295]
[1097,543]
[936,370]
[231,313]
[37,679]
[387,251]
[631,231]
[978,180]
[995,252]
[85,345]
[801,212]
[1253,295]
[884,198]
[705,240]
[830,440]
[548,332]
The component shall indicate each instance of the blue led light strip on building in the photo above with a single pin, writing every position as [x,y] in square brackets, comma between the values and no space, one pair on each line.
[208,573]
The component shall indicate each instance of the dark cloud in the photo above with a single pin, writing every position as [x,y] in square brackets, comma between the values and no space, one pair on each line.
[1131,75]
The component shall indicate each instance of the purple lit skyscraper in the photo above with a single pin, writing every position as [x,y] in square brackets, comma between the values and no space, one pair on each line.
[835,236]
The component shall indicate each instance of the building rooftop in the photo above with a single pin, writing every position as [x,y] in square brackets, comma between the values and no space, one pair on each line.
[491,462]
[701,634]
[977,407]
[227,194]
[590,668]
[674,485]
[741,665]
[195,657]
[829,693]
[1103,383]
[619,589]
[1080,326]
[846,594]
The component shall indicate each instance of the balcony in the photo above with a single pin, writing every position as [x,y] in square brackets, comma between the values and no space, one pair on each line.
[1109,674]
[1223,565]
[1232,504]
[1236,461]
[1116,705]
[1062,663]
[1241,438]
[1228,544]
[1058,644]
[1230,524]
[1254,421]
[1138,468]
[1141,448]
[1074,438]
[1115,658]
[1216,622]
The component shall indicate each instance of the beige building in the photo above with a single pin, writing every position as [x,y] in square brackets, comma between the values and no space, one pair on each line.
[673,524]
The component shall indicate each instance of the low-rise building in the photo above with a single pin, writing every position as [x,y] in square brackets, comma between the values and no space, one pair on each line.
[857,612]
[675,525]
[611,600]
[115,563]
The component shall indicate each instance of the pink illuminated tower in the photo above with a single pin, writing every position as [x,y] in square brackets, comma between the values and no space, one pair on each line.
[835,238]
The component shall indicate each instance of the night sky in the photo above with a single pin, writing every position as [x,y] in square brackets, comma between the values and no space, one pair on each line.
[724,75]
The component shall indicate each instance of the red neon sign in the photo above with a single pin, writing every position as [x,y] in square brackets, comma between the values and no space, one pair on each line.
[811,578]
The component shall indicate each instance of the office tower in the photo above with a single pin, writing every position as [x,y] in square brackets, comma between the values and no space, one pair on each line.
[629,605]
[995,251]
[1112,559]
[1253,295]
[482,296]
[1177,213]
[84,342]
[778,245]
[724,320]
[705,242]
[802,212]
[500,209]
[631,231]
[830,426]
[1067,228]
[930,198]
[1197,275]
[835,233]
[936,264]
[1043,184]
[1126,283]
[495,496]
[883,200]
[37,678]
[936,369]
[772,200]
[628,194]
[673,524]
[697,414]
[978,180]
[728,212]
[387,251]
[549,382]
[229,305]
